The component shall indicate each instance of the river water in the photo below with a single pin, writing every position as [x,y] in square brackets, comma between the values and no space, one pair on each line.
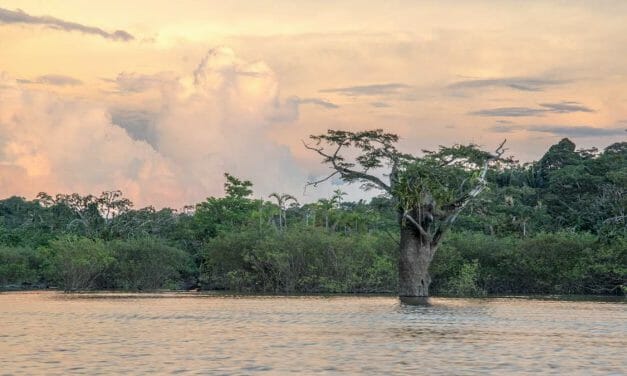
[187,333]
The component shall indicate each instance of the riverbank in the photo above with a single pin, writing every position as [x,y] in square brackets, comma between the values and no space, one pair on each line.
[164,293]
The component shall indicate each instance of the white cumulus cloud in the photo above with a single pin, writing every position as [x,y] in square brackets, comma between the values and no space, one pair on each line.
[210,121]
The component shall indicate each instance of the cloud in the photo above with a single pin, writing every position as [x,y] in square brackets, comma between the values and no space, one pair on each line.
[510,112]
[379,104]
[376,89]
[168,151]
[516,83]
[579,131]
[563,107]
[319,102]
[53,79]
[137,83]
[506,128]
[20,17]
[53,143]
[139,124]
[219,121]
[221,60]
[563,130]
[289,110]
[566,107]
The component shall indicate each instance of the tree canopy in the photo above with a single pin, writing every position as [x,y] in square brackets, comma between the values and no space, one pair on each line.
[430,190]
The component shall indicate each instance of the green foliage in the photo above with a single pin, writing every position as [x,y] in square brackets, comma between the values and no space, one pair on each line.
[377,146]
[76,262]
[237,188]
[604,270]
[441,176]
[218,215]
[556,263]
[144,222]
[19,266]
[584,191]
[299,259]
[424,180]
[146,264]
[222,256]
[466,282]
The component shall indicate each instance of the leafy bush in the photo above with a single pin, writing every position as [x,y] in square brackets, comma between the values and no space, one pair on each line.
[145,264]
[299,259]
[604,270]
[19,266]
[499,272]
[465,283]
[550,261]
[223,255]
[76,262]
[547,263]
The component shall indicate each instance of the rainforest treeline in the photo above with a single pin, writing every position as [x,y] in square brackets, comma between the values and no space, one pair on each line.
[555,226]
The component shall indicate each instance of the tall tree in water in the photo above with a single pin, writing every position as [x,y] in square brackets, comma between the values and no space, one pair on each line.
[429,191]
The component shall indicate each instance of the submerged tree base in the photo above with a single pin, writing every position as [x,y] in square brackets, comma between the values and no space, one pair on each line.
[415,300]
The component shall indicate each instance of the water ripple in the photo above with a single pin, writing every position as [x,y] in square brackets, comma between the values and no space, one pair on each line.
[55,333]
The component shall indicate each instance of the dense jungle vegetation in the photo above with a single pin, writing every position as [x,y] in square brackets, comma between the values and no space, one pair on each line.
[555,226]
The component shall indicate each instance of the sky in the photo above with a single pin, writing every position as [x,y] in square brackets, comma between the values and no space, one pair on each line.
[160,98]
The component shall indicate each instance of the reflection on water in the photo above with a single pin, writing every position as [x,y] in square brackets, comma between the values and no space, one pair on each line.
[55,333]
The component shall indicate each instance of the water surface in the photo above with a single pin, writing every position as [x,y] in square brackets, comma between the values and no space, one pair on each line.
[180,333]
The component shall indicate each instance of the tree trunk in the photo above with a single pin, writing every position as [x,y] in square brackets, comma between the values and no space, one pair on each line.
[284,219]
[413,264]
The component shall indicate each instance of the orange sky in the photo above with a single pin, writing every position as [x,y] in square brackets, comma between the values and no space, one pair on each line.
[159,98]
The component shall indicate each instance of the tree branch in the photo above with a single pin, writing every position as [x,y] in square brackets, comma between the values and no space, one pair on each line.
[351,174]
[345,172]
[463,201]
[418,226]
[316,182]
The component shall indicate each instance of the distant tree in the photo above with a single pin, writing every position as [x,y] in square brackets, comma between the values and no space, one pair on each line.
[144,222]
[429,191]
[216,215]
[325,206]
[282,199]
[236,188]
[87,219]
[112,203]
[584,190]
[338,197]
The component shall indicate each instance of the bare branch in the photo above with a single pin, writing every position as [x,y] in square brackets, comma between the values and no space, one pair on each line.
[418,226]
[317,150]
[500,150]
[316,182]
[617,219]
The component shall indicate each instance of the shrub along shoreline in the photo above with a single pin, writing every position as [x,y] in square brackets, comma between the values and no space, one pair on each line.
[306,260]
